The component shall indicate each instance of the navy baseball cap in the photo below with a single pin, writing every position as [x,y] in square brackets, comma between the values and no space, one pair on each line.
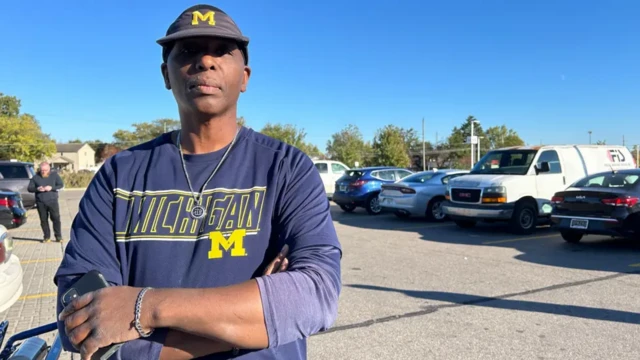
[206,20]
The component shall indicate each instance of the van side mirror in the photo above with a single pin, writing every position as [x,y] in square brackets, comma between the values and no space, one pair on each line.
[543,168]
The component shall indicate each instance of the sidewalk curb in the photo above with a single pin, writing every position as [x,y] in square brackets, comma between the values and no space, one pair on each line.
[74,189]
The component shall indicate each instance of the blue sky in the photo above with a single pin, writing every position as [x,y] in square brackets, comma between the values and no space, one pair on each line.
[551,70]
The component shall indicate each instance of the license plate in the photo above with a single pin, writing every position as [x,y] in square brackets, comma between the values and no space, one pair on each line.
[579,224]
[343,187]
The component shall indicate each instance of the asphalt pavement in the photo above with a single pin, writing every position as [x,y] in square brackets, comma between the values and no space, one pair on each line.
[419,290]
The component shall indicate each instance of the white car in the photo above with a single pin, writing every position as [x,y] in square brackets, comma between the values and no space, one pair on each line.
[330,171]
[10,272]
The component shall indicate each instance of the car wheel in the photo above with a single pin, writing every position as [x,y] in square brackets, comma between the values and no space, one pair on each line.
[347,208]
[524,219]
[402,215]
[571,236]
[465,224]
[435,212]
[373,205]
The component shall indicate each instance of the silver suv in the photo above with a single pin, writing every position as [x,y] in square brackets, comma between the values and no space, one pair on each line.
[15,176]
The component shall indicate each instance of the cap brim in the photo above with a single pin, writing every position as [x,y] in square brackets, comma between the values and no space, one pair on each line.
[202,32]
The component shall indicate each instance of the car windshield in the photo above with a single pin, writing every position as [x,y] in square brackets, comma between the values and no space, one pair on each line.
[609,180]
[419,178]
[512,162]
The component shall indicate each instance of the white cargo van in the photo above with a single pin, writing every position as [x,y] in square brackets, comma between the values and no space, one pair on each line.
[516,184]
[330,171]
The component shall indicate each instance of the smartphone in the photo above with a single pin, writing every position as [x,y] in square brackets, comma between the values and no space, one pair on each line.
[91,281]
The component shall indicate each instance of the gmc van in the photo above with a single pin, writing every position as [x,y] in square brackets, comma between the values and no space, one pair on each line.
[516,184]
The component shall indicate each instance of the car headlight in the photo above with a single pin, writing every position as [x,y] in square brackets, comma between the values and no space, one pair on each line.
[495,190]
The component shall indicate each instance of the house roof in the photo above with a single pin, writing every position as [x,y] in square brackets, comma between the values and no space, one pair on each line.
[68,147]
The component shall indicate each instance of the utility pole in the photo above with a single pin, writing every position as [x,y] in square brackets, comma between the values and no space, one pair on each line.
[590,137]
[638,156]
[623,142]
[424,159]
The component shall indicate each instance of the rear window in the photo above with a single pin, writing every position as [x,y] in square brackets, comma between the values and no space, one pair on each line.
[609,180]
[354,173]
[14,171]
[419,178]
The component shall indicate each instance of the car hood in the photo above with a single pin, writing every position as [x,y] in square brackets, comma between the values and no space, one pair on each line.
[482,180]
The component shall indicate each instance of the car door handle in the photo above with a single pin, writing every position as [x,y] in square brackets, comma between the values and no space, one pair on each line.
[564,181]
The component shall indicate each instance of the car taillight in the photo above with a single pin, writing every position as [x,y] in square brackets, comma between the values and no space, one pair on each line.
[627,201]
[358,183]
[407,191]
[557,200]
[7,202]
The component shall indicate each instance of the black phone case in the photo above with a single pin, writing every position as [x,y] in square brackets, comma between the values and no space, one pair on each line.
[91,281]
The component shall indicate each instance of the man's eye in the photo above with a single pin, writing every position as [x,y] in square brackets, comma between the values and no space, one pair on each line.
[223,51]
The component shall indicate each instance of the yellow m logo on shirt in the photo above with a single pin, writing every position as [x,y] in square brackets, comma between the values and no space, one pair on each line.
[208,17]
[234,243]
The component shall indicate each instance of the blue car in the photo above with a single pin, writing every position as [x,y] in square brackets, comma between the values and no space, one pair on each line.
[360,187]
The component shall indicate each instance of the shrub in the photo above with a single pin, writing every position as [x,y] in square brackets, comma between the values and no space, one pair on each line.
[80,179]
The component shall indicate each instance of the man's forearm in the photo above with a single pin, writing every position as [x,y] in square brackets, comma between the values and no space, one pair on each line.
[179,345]
[231,314]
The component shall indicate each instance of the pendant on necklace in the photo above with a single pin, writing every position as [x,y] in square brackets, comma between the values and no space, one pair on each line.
[198,212]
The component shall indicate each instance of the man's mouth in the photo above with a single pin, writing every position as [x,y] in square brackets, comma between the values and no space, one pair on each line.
[204,86]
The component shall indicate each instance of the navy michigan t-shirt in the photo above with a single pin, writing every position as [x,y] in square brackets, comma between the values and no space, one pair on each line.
[134,225]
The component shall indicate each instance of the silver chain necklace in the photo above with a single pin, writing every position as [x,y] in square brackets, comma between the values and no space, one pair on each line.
[198,211]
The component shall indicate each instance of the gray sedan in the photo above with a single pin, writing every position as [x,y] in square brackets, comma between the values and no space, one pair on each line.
[419,194]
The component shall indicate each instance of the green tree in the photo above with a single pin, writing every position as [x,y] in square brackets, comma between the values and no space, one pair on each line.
[348,146]
[601,142]
[143,132]
[9,105]
[389,147]
[75,141]
[291,135]
[459,150]
[241,121]
[411,140]
[500,136]
[21,138]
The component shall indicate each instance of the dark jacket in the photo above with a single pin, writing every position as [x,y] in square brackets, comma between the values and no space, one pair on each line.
[52,180]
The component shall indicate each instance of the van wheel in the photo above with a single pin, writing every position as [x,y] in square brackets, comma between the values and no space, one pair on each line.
[373,205]
[435,212]
[465,224]
[571,236]
[347,208]
[524,219]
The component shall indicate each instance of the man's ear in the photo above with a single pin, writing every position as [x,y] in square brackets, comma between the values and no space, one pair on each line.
[165,76]
[245,78]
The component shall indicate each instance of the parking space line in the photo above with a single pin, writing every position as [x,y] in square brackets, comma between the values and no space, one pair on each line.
[34,261]
[519,239]
[424,226]
[635,265]
[37,296]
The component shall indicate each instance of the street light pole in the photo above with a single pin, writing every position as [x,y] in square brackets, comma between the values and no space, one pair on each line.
[471,141]
[589,137]
[423,148]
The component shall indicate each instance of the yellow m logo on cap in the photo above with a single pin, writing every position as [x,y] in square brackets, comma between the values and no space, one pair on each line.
[208,17]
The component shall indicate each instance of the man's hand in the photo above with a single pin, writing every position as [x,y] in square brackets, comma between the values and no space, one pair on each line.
[280,263]
[101,318]
[48,188]
[41,188]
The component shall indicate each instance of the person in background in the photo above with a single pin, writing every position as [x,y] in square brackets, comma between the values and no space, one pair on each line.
[46,185]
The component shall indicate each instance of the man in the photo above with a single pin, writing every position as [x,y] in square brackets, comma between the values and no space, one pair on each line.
[187,223]
[46,185]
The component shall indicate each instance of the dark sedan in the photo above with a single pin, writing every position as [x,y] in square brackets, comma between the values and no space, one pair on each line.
[606,203]
[12,211]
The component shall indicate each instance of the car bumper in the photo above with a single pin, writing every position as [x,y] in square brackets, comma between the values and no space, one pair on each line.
[596,226]
[477,211]
[341,198]
[11,219]
[10,282]
[407,205]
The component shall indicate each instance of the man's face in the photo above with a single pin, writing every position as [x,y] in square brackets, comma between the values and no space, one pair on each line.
[206,74]
[45,168]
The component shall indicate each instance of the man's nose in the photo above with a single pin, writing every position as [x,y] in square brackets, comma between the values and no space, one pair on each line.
[206,62]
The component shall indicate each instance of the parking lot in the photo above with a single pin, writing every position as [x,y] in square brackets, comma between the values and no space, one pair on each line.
[419,290]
